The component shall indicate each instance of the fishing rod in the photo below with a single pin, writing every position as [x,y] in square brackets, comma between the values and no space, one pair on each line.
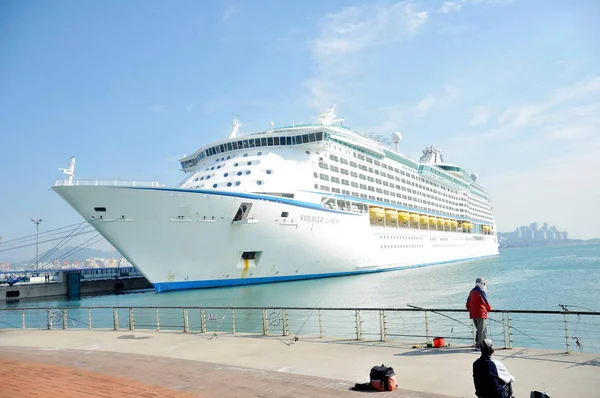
[295,338]
[523,333]
[439,313]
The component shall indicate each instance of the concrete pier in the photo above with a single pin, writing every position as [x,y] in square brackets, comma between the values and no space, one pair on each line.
[62,288]
[330,365]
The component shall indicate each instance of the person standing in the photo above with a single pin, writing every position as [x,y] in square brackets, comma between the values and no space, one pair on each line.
[478,306]
[491,378]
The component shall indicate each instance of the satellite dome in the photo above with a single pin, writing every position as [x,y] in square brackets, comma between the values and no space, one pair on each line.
[474,176]
[396,137]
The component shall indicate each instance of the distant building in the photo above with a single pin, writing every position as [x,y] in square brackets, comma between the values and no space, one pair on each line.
[532,234]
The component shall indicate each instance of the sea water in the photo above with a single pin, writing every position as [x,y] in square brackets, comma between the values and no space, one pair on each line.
[529,278]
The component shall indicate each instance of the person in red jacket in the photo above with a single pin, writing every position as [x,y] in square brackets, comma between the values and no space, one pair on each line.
[478,306]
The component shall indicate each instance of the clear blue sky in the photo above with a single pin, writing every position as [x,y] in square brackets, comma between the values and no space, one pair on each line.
[509,89]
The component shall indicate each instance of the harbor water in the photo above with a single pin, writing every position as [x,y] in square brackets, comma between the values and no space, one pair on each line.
[530,278]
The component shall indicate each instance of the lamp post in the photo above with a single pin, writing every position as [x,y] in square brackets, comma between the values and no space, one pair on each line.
[37,222]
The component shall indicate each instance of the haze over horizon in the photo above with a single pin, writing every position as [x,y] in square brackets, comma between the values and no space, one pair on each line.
[508,89]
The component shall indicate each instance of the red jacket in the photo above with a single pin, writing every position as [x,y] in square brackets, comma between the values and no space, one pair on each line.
[477,304]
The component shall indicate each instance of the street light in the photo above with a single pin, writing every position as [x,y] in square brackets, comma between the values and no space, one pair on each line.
[37,222]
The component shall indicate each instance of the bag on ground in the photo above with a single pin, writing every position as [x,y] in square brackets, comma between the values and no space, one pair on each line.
[383,378]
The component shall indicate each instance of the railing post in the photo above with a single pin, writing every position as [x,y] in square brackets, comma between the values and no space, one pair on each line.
[426,329]
[202,320]
[131,320]
[157,320]
[89,318]
[504,331]
[382,326]
[233,320]
[358,325]
[509,328]
[320,325]
[285,323]
[265,323]
[49,319]
[566,333]
[115,318]
[23,319]
[65,319]
[186,321]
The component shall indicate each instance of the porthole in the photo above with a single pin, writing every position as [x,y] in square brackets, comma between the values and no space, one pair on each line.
[315,175]
[269,171]
[228,157]
[259,154]
[259,182]
[218,167]
[228,184]
[239,173]
[308,152]
[235,165]
[196,179]
[212,168]
[226,174]
[249,163]
[201,178]
[245,155]
[215,185]
[247,172]
[237,183]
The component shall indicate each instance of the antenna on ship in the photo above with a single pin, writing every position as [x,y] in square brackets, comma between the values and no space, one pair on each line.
[236,127]
[396,138]
[70,171]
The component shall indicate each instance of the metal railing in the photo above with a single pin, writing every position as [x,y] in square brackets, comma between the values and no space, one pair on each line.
[552,330]
[116,183]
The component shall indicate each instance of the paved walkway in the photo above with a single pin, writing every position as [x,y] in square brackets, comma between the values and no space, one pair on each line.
[268,367]
[32,372]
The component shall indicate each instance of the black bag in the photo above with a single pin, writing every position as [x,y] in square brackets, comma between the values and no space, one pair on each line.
[383,378]
[537,394]
[381,372]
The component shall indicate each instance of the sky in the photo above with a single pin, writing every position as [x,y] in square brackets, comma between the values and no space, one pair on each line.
[510,90]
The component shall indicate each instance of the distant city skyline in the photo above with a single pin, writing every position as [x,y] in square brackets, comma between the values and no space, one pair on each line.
[128,88]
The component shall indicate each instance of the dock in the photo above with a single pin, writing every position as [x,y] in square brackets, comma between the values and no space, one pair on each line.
[242,365]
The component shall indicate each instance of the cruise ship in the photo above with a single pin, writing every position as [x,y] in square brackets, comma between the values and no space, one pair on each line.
[297,202]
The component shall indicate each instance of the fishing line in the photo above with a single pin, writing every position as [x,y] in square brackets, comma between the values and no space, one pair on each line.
[295,338]
[439,313]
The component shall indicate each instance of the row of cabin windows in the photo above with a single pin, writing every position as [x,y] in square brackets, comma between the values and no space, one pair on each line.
[254,143]
[239,173]
[326,177]
[431,206]
[335,158]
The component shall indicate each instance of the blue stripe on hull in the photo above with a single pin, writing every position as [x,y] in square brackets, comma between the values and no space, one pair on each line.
[186,285]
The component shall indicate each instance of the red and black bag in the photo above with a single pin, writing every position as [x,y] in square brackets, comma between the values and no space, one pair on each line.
[383,378]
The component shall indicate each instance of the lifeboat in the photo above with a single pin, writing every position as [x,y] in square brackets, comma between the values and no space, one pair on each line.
[448,223]
[424,219]
[414,217]
[403,216]
[391,216]
[454,223]
[433,221]
[441,222]
[467,225]
[376,211]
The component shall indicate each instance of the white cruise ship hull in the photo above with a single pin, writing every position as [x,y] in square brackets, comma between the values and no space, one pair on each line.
[186,239]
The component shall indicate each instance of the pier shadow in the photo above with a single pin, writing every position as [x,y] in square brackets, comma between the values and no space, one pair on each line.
[133,337]
[417,352]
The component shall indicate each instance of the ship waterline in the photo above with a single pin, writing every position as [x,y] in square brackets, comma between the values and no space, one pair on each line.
[291,203]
